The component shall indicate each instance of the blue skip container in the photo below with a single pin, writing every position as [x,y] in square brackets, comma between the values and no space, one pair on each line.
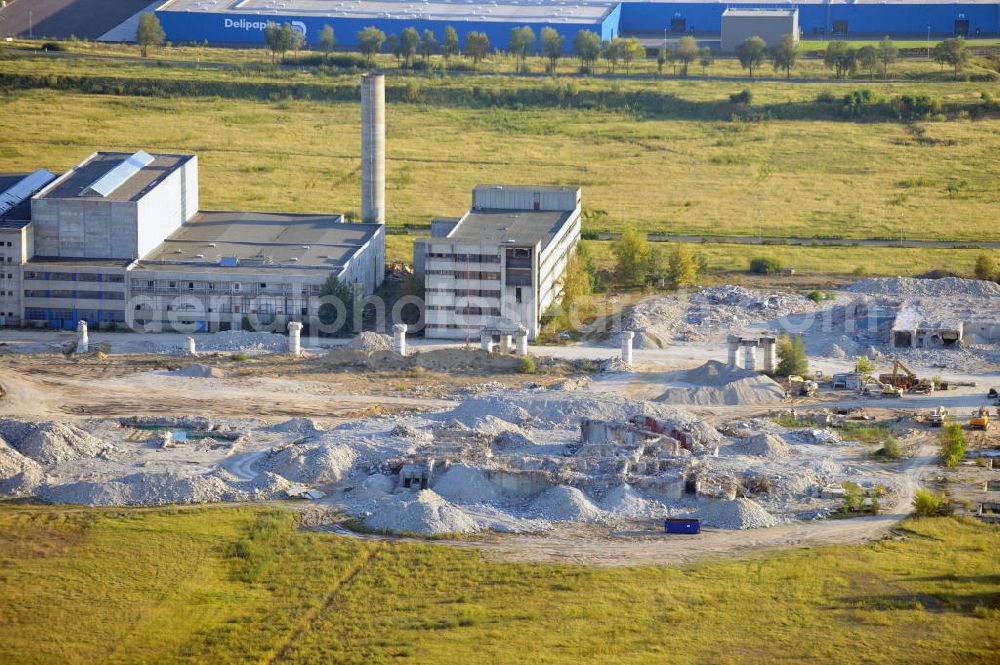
[680,525]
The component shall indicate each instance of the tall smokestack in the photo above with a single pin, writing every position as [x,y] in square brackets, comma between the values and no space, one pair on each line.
[373,148]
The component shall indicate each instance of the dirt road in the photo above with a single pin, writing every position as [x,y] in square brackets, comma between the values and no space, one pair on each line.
[32,392]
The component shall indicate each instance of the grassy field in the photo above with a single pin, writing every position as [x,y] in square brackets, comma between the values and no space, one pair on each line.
[810,178]
[234,584]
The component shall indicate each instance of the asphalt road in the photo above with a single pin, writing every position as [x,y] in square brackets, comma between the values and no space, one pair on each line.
[62,19]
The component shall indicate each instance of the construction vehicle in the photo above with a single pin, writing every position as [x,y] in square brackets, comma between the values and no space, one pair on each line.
[799,387]
[875,387]
[939,417]
[902,377]
[980,419]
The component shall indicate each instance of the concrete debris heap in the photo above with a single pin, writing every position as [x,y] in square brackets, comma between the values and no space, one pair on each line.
[515,461]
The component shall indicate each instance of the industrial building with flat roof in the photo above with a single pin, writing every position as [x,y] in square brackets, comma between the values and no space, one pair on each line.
[243,21]
[499,264]
[770,25]
[119,241]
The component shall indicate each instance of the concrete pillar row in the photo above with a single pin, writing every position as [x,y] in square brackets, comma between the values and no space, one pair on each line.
[486,342]
[192,351]
[294,338]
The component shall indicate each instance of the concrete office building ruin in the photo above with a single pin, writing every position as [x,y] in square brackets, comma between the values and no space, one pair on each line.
[501,262]
[119,241]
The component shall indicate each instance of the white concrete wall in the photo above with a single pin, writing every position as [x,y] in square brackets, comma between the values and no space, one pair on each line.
[165,207]
[367,266]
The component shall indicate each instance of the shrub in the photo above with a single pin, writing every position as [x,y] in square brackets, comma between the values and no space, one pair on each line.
[53,46]
[744,96]
[864,366]
[860,103]
[928,504]
[238,357]
[986,267]
[765,266]
[952,443]
[590,234]
[891,450]
[526,365]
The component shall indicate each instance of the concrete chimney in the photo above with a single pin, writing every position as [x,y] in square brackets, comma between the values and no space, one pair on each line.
[373,148]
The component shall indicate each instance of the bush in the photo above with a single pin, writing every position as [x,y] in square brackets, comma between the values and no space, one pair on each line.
[986,267]
[928,504]
[590,234]
[53,46]
[238,357]
[891,450]
[526,365]
[864,366]
[744,96]
[860,103]
[952,443]
[765,266]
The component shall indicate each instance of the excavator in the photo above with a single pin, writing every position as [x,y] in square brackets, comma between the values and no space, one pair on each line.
[906,379]
[980,419]
[874,386]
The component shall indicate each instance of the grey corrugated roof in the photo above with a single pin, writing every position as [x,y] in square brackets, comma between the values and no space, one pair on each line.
[74,183]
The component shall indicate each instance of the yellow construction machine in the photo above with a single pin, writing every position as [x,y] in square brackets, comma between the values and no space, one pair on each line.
[980,419]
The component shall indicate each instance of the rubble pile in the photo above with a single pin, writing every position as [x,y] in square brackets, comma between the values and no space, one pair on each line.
[912,287]
[49,442]
[706,314]
[715,383]
[737,514]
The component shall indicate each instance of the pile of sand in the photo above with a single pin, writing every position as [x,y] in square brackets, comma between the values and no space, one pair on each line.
[566,504]
[738,514]
[626,502]
[297,425]
[146,489]
[199,371]
[767,445]
[310,463]
[717,384]
[424,512]
[19,475]
[49,442]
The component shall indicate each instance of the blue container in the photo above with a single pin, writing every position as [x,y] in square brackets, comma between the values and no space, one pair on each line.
[678,525]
